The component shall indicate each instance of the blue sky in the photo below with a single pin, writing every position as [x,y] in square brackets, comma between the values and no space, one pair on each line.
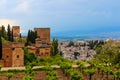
[63,16]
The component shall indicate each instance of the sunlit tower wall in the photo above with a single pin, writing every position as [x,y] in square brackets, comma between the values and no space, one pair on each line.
[43,33]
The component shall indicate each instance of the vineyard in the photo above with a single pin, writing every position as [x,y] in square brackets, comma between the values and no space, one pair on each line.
[89,70]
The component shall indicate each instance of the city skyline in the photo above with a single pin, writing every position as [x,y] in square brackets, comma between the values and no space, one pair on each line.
[63,16]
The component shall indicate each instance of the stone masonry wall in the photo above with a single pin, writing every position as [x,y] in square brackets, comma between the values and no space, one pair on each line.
[18,57]
[16,32]
[13,54]
[43,33]
[7,57]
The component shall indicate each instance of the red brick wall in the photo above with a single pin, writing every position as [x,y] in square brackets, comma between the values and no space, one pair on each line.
[43,33]
[7,56]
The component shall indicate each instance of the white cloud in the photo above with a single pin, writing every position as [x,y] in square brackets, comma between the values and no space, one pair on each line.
[5,22]
[2,2]
[23,6]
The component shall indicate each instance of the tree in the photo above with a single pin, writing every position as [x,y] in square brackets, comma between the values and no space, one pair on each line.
[65,66]
[54,47]
[9,32]
[29,73]
[109,52]
[10,75]
[0,46]
[81,66]
[28,57]
[28,38]
[90,72]
[3,32]
[74,74]
[12,39]
[20,35]
[71,43]
[32,35]
[0,68]
[51,75]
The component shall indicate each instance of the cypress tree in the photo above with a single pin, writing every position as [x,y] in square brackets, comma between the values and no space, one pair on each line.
[28,38]
[0,46]
[12,40]
[9,33]
[20,35]
[3,32]
[54,48]
[31,36]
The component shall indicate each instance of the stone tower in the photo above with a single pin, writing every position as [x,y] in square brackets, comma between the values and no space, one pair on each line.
[43,33]
[13,54]
[16,32]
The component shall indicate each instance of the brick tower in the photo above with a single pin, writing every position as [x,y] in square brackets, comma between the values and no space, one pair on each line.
[43,33]
[13,54]
[16,32]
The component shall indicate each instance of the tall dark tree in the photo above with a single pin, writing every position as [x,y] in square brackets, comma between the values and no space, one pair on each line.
[0,46]
[28,37]
[31,37]
[54,47]
[20,35]
[12,40]
[9,33]
[3,32]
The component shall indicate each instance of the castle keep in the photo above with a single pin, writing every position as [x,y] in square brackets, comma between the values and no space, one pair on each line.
[43,33]
[13,54]
[16,32]
[42,43]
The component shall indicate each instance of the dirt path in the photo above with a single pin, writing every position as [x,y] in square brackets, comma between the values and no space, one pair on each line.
[35,67]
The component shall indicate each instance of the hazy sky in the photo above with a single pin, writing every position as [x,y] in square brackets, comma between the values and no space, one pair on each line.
[83,16]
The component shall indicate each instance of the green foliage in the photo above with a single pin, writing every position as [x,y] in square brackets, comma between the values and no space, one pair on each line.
[31,37]
[0,68]
[96,43]
[0,46]
[29,73]
[3,32]
[117,74]
[21,40]
[54,47]
[90,72]
[65,65]
[28,77]
[48,68]
[28,57]
[4,40]
[51,75]
[100,67]
[74,74]
[93,63]
[109,53]
[9,33]
[53,60]
[10,75]
[116,59]
[82,66]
